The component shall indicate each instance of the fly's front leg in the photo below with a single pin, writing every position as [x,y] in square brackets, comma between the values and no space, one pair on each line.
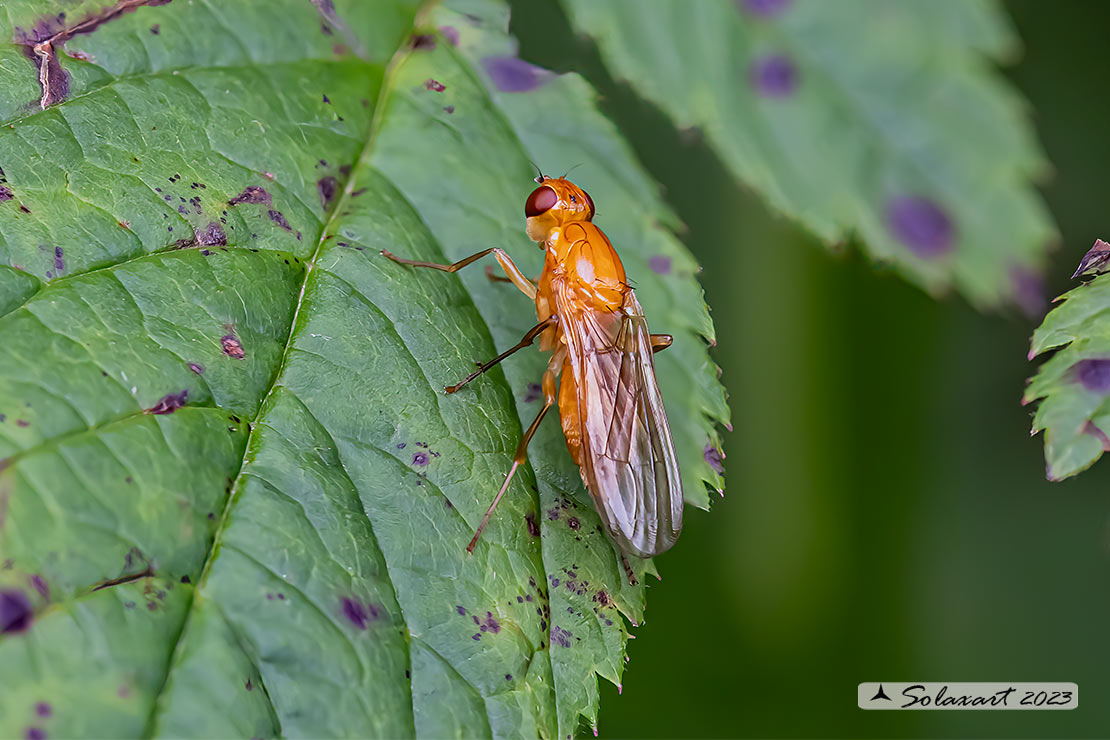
[549,387]
[525,341]
[516,277]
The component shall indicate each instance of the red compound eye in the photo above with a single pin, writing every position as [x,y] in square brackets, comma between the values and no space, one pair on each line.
[540,201]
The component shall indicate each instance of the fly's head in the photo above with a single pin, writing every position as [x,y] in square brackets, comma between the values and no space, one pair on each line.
[556,202]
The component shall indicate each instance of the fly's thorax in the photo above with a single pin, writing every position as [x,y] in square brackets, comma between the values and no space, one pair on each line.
[556,245]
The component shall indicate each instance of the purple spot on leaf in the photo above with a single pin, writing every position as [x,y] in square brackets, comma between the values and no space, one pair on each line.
[533,527]
[420,459]
[660,265]
[512,74]
[920,224]
[39,584]
[764,8]
[170,402]
[774,76]
[326,188]
[42,709]
[359,614]
[451,34]
[5,194]
[434,85]
[278,218]
[1093,374]
[35,733]
[714,457]
[16,614]
[535,393]
[196,368]
[1098,434]
[212,235]
[1028,287]
[560,636]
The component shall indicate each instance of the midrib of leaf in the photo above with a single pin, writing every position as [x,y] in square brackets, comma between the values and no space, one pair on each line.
[310,265]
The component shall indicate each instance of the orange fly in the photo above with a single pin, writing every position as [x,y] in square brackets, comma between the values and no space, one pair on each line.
[601,371]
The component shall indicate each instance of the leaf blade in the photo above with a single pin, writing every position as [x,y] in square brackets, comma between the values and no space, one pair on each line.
[860,119]
[326,542]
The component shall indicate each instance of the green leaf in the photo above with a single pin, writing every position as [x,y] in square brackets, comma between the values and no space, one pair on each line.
[1073,385]
[858,118]
[233,499]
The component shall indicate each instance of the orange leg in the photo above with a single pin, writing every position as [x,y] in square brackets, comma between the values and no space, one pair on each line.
[527,340]
[660,342]
[549,385]
[516,277]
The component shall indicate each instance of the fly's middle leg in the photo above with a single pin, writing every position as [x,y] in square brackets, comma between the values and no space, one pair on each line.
[526,340]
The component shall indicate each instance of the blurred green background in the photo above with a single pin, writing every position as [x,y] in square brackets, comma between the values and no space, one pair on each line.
[887,516]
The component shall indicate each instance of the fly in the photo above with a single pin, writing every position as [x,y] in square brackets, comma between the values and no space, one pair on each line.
[601,372]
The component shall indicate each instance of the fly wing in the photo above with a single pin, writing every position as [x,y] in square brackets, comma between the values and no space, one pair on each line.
[628,458]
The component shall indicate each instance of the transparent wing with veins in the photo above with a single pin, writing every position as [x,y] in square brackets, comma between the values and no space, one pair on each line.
[628,459]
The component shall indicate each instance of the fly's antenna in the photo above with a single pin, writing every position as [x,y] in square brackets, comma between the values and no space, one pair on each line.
[572,169]
[539,173]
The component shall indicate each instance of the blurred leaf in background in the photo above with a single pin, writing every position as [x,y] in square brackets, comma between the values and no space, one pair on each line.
[870,119]
[888,513]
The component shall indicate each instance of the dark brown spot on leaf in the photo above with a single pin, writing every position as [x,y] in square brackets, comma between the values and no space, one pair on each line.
[170,402]
[279,219]
[251,194]
[212,235]
[327,187]
[232,347]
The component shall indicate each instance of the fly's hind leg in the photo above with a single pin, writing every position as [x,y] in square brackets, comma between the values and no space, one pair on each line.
[628,570]
[516,277]
[660,342]
[549,386]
